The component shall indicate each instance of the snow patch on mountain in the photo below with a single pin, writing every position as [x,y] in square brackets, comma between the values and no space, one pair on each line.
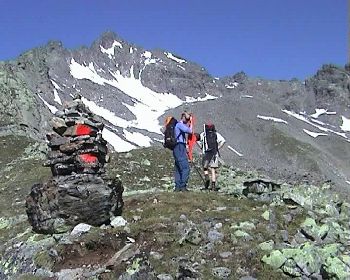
[320,112]
[106,114]
[147,54]
[137,138]
[55,85]
[304,119]
[235,151]
[231,85]
[190,99]
[52,108]
[172,57]
[57,97]
[116,142]
[314,134]
[271,119]
[110,51]
[148,105]
[346,124]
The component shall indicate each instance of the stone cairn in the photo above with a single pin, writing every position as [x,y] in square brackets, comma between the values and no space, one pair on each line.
[79,191]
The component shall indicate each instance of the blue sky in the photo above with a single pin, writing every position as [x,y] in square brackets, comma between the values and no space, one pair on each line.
[274,39]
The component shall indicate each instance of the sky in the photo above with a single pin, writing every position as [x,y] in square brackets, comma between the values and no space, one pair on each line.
[272,39]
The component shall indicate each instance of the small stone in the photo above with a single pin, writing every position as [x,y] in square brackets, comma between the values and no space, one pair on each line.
[267,246]
[218,226]
[118,221]
[222,208]
[215,236]
[136,218]
[156,255]
[225,255]
[164,277]
[266,215]
[146,162]
[183,217]
[131,240]
[221,272]
[80,228]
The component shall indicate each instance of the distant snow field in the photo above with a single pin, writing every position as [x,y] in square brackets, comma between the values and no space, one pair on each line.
[147,106]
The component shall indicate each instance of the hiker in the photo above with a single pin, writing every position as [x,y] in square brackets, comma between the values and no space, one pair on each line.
[210,141]
[182,167]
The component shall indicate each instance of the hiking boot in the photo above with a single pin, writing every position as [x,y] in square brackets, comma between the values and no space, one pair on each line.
[214,187]
[177,190]
[184,190]
[207,182]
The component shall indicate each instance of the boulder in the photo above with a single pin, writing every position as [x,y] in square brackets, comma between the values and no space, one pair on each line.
[62,203]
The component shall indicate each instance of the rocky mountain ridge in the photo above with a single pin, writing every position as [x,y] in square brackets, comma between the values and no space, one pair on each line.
[286,129]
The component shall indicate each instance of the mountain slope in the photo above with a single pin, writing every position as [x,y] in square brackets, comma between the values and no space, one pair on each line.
[287,129]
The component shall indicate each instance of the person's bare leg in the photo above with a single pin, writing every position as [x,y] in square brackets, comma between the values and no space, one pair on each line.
[206,178]
[213,179]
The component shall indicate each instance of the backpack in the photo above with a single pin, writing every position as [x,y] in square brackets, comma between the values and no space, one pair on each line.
[210,139]
[170,139]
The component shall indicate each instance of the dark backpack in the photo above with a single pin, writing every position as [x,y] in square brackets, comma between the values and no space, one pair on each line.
[170,139]
[210,139]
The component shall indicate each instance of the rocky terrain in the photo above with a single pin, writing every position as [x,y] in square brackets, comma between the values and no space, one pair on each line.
[282,208]
[253,228]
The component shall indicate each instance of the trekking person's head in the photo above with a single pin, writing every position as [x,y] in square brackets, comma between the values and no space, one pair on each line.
[210,125]
[185,117]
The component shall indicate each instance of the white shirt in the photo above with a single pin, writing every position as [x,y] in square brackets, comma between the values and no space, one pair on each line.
[219,138]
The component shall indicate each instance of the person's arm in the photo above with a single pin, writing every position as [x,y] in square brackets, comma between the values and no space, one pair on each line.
[221,140]
[184,128]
